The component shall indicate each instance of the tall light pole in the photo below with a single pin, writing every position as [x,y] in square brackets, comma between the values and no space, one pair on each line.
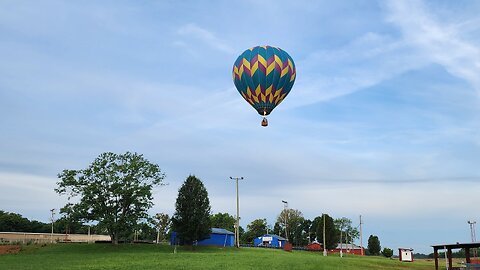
[361,243]
[53,220]
[285,207]
[237,227]
[472,234]
[324,242]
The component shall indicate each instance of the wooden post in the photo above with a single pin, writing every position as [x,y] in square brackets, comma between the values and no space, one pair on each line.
[435,256]
[449,255]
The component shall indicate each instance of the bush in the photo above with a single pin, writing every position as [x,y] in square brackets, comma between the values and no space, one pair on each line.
[387,252]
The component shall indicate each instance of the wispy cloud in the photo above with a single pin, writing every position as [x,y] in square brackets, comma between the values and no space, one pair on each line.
[441,42]
[366,61]
[198,34]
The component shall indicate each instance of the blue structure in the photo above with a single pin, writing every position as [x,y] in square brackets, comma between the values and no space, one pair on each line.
[218,237]
[269,240]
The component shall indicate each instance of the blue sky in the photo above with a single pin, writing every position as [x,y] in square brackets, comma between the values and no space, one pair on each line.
[382,121]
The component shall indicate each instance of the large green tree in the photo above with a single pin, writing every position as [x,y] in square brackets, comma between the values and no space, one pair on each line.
[115,190]
[341,225]
[256,228]
[352,233]
[294,220]
[191,220]
[302,234]
[331,236]
[374,245]
[223,221]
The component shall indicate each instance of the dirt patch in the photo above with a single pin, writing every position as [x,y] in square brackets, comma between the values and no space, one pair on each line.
[9,249]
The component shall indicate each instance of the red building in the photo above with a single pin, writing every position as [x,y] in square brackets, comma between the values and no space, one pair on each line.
[348,249]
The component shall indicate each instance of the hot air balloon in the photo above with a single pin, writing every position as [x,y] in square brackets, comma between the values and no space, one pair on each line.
[264,75]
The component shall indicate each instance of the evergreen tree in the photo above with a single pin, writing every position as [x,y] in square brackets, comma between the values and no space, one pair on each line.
[191,220]
[313,229]
[331,236]
[373,245]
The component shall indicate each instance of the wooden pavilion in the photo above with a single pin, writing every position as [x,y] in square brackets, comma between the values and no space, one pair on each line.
[448,248]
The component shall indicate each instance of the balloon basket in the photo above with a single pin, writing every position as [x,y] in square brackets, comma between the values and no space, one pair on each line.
[264,122]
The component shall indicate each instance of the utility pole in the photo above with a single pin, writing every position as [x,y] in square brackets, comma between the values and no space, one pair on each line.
[341,244]
[285,207]
[472,234]
[361,242]
[53,220]
[324,242]
[237,227]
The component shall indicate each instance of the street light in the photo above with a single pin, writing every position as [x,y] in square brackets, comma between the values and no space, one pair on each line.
[285,206]
[237,227]
[472,230]
[324,241]
[53,220]
[472,234]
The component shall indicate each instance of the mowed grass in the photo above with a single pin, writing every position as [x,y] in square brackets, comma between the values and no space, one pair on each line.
[127,256]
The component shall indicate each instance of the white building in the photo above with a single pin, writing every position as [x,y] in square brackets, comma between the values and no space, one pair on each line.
[405,254]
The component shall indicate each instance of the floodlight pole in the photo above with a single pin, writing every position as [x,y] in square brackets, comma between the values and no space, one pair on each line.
[324,242]
[361,243]
[472,234]
[237,228]
[285,207]
[53,213]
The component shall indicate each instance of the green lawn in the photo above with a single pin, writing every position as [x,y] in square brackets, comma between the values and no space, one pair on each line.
[106,256]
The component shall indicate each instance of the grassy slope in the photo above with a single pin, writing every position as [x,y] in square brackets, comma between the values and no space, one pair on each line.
[104,256]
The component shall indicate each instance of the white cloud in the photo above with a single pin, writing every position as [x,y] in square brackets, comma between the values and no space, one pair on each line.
[441,42]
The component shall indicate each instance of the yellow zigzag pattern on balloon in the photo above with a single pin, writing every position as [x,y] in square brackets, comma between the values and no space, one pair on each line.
[257,96]
[253,67]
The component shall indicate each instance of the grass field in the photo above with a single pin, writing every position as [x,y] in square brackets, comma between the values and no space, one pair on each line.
[105,256]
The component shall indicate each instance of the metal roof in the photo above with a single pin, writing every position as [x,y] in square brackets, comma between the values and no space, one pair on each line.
[274,235]
[457,245]
[348,246]
[221,231]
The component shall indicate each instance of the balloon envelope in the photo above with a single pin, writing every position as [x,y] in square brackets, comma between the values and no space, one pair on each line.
[264,76]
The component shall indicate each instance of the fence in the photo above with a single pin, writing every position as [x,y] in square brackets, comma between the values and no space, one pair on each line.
[25,237]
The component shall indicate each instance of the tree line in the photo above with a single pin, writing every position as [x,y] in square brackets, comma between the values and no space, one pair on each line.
[114,193]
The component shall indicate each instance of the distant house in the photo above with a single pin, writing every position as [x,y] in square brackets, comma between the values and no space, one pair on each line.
[405,254]
[218,237]
[269,240]
[348,249]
